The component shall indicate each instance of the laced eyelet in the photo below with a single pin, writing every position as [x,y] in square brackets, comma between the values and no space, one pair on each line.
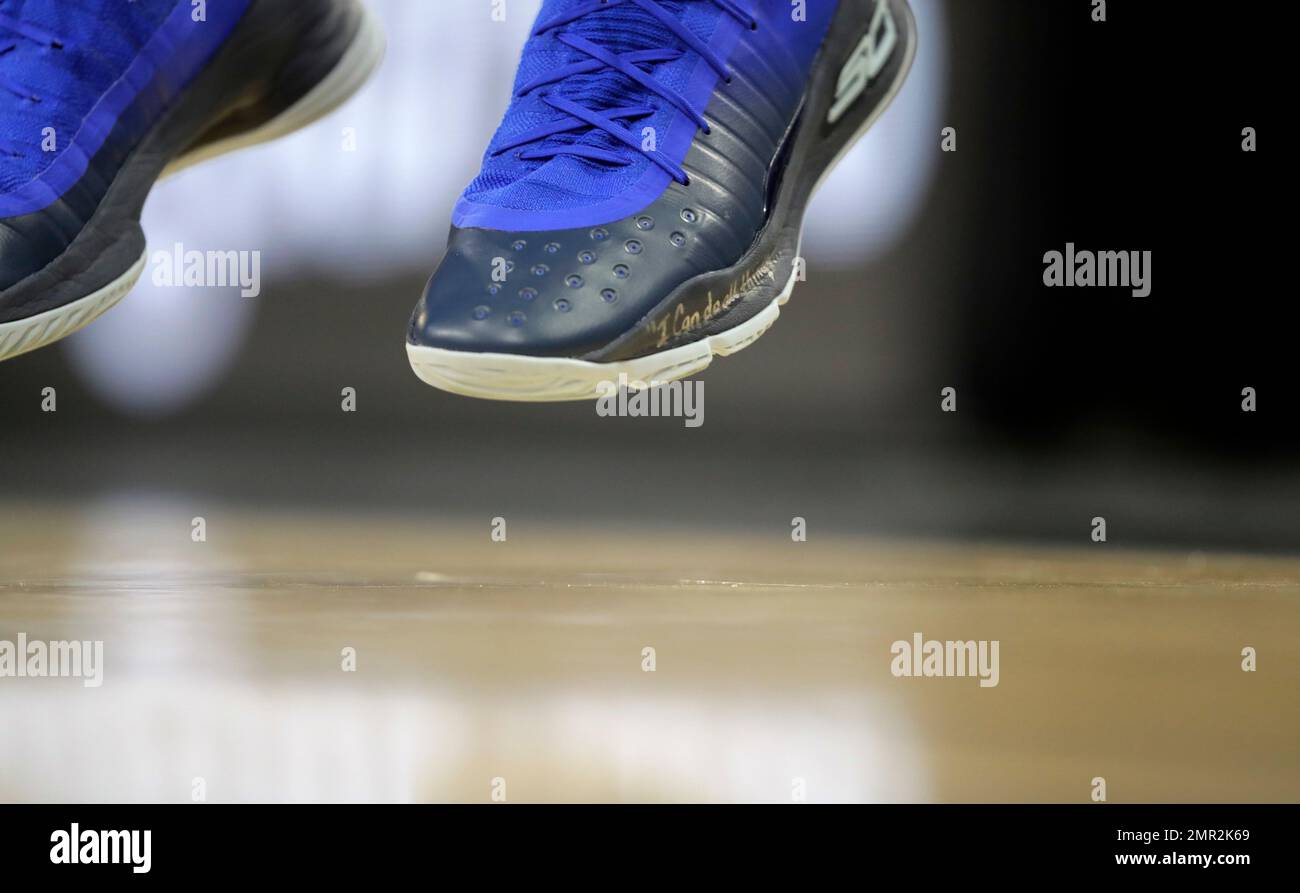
[636,71]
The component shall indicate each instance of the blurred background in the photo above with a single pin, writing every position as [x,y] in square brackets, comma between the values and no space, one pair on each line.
[368,529]
[924,273]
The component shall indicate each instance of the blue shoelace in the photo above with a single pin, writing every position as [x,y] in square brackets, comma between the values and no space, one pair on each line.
[38,36]
[579,118]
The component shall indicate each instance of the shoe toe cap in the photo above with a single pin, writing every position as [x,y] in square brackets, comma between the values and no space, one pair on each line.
[539,294]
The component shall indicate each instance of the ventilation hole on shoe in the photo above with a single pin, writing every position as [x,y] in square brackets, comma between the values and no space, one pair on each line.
[482,311]
[552,248]
[587,257]
[510,266]
[622,272]
[528,294]
[517,319]
[600,234]
[678,239]
[609,296]
[563,305]
[689,215]
[494,289]
[573,280]
[520,245]
[541,270]
[634,247]
[645,224]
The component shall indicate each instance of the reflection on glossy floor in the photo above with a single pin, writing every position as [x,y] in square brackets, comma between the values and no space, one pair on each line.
[521,665]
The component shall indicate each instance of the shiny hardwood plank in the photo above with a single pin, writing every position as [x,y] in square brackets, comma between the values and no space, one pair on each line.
[520,668]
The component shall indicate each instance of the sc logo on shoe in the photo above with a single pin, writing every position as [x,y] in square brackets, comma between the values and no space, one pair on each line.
[867,61]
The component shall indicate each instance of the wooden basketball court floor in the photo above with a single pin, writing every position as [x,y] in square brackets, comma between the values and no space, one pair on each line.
[520,669]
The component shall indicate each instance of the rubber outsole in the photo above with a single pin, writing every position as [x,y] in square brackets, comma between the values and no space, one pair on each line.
[522,378]
[24,335]
[353,70]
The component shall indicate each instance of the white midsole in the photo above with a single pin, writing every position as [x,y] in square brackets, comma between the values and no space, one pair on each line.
[28,334]
[498,376]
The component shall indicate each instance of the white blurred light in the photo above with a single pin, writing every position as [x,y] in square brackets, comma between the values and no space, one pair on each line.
[260,737]
[162,348]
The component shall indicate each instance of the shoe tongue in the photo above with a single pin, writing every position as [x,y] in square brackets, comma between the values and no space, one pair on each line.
[625,28]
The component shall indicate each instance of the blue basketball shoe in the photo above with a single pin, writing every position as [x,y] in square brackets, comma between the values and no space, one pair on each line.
[100,98]
[640,208]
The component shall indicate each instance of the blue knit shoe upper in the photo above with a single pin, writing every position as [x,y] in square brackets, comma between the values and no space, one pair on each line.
[638,152]
[58,59]
[608,99]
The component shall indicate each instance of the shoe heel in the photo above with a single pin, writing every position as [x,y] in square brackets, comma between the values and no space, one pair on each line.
[333,60]
[863,65]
